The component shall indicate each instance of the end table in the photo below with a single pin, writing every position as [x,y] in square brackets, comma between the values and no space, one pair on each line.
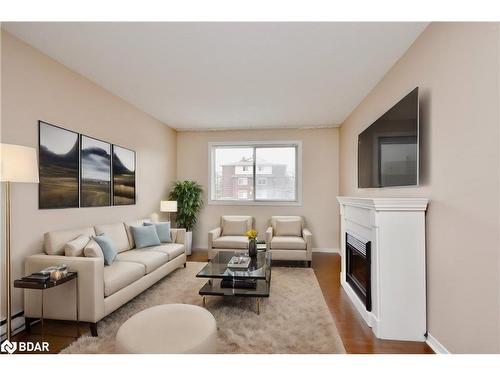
[47,284]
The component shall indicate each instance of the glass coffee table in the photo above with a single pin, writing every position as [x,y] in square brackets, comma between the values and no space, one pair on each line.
[224,281]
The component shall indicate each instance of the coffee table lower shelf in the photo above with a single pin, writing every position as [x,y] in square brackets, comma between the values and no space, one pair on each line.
[213,288]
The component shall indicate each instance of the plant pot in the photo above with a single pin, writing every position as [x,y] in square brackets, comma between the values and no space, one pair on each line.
[188,242]
[252,248]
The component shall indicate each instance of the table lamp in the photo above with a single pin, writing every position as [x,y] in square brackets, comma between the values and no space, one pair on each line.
[17,164]
[168,206]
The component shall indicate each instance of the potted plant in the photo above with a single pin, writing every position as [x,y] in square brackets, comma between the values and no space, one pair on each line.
[188,195]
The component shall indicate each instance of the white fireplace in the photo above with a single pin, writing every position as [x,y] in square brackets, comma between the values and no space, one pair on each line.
[388,234]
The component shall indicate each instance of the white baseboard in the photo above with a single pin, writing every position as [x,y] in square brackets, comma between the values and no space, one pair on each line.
[435,345]
[330,250]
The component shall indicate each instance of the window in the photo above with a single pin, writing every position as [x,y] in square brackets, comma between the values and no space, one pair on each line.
[255,173]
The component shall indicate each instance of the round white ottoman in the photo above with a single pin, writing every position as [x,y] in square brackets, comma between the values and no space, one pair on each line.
[175,328]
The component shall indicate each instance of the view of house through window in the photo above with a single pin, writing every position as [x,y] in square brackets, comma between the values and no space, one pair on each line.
[254,173]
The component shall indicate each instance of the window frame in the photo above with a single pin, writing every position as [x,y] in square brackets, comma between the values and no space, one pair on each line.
[212,146]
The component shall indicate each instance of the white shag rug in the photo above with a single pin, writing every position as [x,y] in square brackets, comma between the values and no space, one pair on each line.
[294,319]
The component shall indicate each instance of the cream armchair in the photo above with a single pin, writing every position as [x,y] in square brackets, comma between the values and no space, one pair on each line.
[288,239]
[230,235]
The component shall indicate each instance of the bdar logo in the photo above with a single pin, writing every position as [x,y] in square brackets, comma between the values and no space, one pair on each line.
[8,347]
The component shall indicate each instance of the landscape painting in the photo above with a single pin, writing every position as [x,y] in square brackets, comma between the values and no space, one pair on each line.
[58,167]
[123,176]
[95,155]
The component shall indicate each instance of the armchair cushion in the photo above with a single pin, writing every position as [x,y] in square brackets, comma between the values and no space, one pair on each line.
[288,243]
[231,242]
[234,227]
[240,230]
[288,227]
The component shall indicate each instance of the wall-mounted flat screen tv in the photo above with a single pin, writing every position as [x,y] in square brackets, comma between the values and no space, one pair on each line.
[388,149]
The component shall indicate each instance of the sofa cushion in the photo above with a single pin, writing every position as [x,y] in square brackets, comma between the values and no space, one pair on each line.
[173,250]
[288,227]
[150,259]
[145,236]
[74,248]
[54,241]
[163,231]
[117,233]
[121,274]
[108,248]
[136,223]
[288,243]
[233,225]
[231,242]
[93,250]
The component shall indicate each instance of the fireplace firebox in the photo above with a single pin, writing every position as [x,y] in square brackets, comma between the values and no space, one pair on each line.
[358,268]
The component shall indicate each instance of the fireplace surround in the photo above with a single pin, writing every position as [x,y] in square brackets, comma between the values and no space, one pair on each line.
[383,255]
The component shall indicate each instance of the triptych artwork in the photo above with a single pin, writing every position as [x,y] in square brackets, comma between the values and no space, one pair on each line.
[80,171]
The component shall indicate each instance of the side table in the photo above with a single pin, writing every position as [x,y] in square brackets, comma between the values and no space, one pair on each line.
[43,285]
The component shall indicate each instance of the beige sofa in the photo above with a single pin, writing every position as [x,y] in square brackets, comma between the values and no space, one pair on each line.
[101,289]
[230,235]
[288,239]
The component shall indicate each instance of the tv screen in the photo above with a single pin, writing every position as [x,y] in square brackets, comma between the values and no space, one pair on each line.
[388,148]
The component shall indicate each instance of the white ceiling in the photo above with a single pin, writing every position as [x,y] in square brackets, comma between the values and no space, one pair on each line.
[229,75]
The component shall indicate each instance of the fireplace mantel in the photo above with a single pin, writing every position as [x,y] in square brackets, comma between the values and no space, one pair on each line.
[396,229]
[386,204]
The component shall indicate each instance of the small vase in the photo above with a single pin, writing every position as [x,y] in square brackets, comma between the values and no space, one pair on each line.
[252,248]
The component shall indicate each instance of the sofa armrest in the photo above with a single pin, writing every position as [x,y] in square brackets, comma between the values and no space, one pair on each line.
[269,237]
[213,235]
[307,235]
[181,235]
[60,301]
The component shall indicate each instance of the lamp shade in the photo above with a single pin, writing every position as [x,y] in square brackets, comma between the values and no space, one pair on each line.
[168,206]
[18,163]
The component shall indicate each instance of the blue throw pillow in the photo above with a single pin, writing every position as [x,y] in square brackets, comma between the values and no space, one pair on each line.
[108,248]
[145,236]
[163,231]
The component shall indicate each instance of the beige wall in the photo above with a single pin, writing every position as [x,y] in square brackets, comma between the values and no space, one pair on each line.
[456,67]
[319,171]
[35,87]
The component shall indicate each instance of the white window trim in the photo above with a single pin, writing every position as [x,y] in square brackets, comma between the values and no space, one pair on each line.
[211,185]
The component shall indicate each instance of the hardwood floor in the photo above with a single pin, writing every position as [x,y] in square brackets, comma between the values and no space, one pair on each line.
[356,336]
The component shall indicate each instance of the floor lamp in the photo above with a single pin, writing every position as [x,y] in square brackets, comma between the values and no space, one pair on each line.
[17,164]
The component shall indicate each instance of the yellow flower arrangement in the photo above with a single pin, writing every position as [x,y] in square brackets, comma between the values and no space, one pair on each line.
[252,234]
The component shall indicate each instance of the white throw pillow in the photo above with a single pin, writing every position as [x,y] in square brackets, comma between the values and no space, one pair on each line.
[234,227]
[288,228]
[93,250]
[74,248]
